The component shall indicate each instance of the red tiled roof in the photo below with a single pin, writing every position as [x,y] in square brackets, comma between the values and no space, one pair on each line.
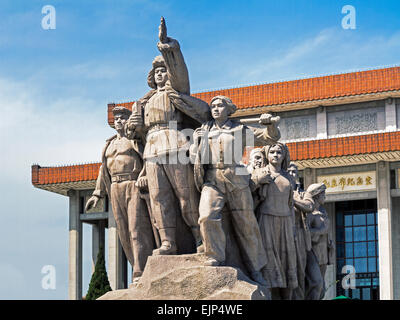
[332,86]
[64,174]
[305,150]
[325,87]
[337,147]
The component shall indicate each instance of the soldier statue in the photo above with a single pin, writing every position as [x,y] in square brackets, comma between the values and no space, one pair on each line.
[118,178]
[160,118]
[223,181]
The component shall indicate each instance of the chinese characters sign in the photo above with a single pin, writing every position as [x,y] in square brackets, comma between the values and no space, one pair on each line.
[359,181]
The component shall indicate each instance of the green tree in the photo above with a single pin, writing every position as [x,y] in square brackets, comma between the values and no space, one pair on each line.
[99,283]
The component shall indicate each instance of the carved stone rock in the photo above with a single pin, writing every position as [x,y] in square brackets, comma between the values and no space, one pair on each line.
[184,277]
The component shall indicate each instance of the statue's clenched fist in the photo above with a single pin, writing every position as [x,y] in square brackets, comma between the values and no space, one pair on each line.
[135,120]
[92,203]
[166,43]
[267,118]
[265,178]
[141,182]
[198,134]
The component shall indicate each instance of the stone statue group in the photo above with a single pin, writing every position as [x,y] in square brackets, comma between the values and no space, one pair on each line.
[176,183]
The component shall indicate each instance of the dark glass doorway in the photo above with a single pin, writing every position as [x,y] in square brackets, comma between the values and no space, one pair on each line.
[357,245]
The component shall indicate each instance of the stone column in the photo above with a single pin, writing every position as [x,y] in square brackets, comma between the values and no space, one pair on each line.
[322,128]
[390,115]
[396,246]
[310,177]
[117,265]
[384,231]
[98,240]
[75,248]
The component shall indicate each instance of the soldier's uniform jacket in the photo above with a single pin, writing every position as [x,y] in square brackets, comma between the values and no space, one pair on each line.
[218,155]
[103,182]
[158,109]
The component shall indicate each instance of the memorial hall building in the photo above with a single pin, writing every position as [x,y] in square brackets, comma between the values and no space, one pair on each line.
[342,129]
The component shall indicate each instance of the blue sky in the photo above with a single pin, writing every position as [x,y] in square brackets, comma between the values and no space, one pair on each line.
[55,85]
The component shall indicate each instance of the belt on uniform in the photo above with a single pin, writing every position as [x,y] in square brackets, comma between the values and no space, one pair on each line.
[162,126]
[124,177]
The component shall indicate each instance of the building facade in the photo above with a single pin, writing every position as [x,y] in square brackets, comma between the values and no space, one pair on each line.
[343,130]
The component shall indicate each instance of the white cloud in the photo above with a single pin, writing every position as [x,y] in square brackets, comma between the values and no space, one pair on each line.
[34,128]
[300,51]
[93,70]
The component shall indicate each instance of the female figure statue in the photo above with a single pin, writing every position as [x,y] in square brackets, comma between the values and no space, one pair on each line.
[276,221]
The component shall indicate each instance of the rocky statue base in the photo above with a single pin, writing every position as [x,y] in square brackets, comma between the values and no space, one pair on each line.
[184,277]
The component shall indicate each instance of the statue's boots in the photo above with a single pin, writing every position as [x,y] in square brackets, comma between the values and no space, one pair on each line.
[168,244]
[198,240]
[211,262]
[200,248]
